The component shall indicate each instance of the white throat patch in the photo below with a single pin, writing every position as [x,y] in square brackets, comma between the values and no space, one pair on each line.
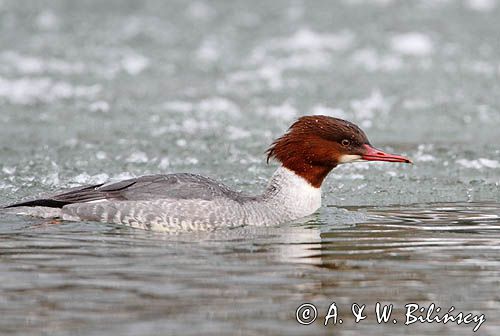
[295,196]
[346,158]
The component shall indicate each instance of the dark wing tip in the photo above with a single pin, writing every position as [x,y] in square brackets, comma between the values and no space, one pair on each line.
[50,203]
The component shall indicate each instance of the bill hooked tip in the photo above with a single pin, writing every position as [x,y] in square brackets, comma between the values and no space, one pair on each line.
[374,154]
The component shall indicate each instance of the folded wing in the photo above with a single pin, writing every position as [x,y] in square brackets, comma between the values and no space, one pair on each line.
[151,187]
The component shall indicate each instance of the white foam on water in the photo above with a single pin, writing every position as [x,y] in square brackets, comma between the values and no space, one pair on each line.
[295,11]
[218,104]
[479,163]
[237,133]
[307,39]
[372,60]
[164,163]
[200,11]
[366,109]
[47,20]
[487,114]
[421,156]
[9,170]
[209,105]
[434,4]
[272,74]
[191,161]
[134,64]
[137,157]
[101,155]
[187,125]
[26,64]
[208,51]
[309,60]
[380,3]
[99,106]
[305,49]
[348,176]
[357,166]
[413,44]
[181,142]
[328,111]
[85,178]
[192,125]
[415,104]
[481,67]
[122,176]
[180,106]
[203,115]
[481,5]
[52,178]
[27,90]
[285,111]
[4,185]
[22,63]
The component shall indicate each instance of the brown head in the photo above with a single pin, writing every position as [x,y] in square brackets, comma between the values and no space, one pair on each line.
[314,145]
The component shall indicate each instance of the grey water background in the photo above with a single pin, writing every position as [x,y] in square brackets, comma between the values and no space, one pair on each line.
[97,90]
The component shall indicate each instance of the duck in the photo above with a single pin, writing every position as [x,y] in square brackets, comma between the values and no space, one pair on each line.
[311,148]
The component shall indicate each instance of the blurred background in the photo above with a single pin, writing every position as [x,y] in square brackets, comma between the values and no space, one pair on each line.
[98,90]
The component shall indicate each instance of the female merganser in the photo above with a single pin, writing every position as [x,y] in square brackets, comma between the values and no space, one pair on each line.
[311,148]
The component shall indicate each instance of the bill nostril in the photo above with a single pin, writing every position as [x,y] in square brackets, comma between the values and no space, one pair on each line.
[381,153]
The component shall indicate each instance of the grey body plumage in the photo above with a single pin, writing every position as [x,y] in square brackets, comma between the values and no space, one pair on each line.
[184,202]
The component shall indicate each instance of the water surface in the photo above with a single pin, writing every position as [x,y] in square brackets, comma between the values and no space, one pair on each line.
[84,278]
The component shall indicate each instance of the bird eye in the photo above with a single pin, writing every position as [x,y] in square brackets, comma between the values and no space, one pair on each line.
[345,142]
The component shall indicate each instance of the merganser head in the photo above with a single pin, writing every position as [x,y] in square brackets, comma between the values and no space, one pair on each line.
[314,145]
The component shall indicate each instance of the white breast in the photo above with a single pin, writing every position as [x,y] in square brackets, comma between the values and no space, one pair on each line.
[288,197]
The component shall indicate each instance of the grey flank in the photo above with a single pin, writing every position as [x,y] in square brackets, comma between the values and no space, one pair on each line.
[186,202]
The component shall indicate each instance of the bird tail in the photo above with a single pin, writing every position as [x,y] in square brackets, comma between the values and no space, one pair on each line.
[49,203]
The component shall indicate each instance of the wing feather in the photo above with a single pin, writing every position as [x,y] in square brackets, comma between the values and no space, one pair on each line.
[150,187]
